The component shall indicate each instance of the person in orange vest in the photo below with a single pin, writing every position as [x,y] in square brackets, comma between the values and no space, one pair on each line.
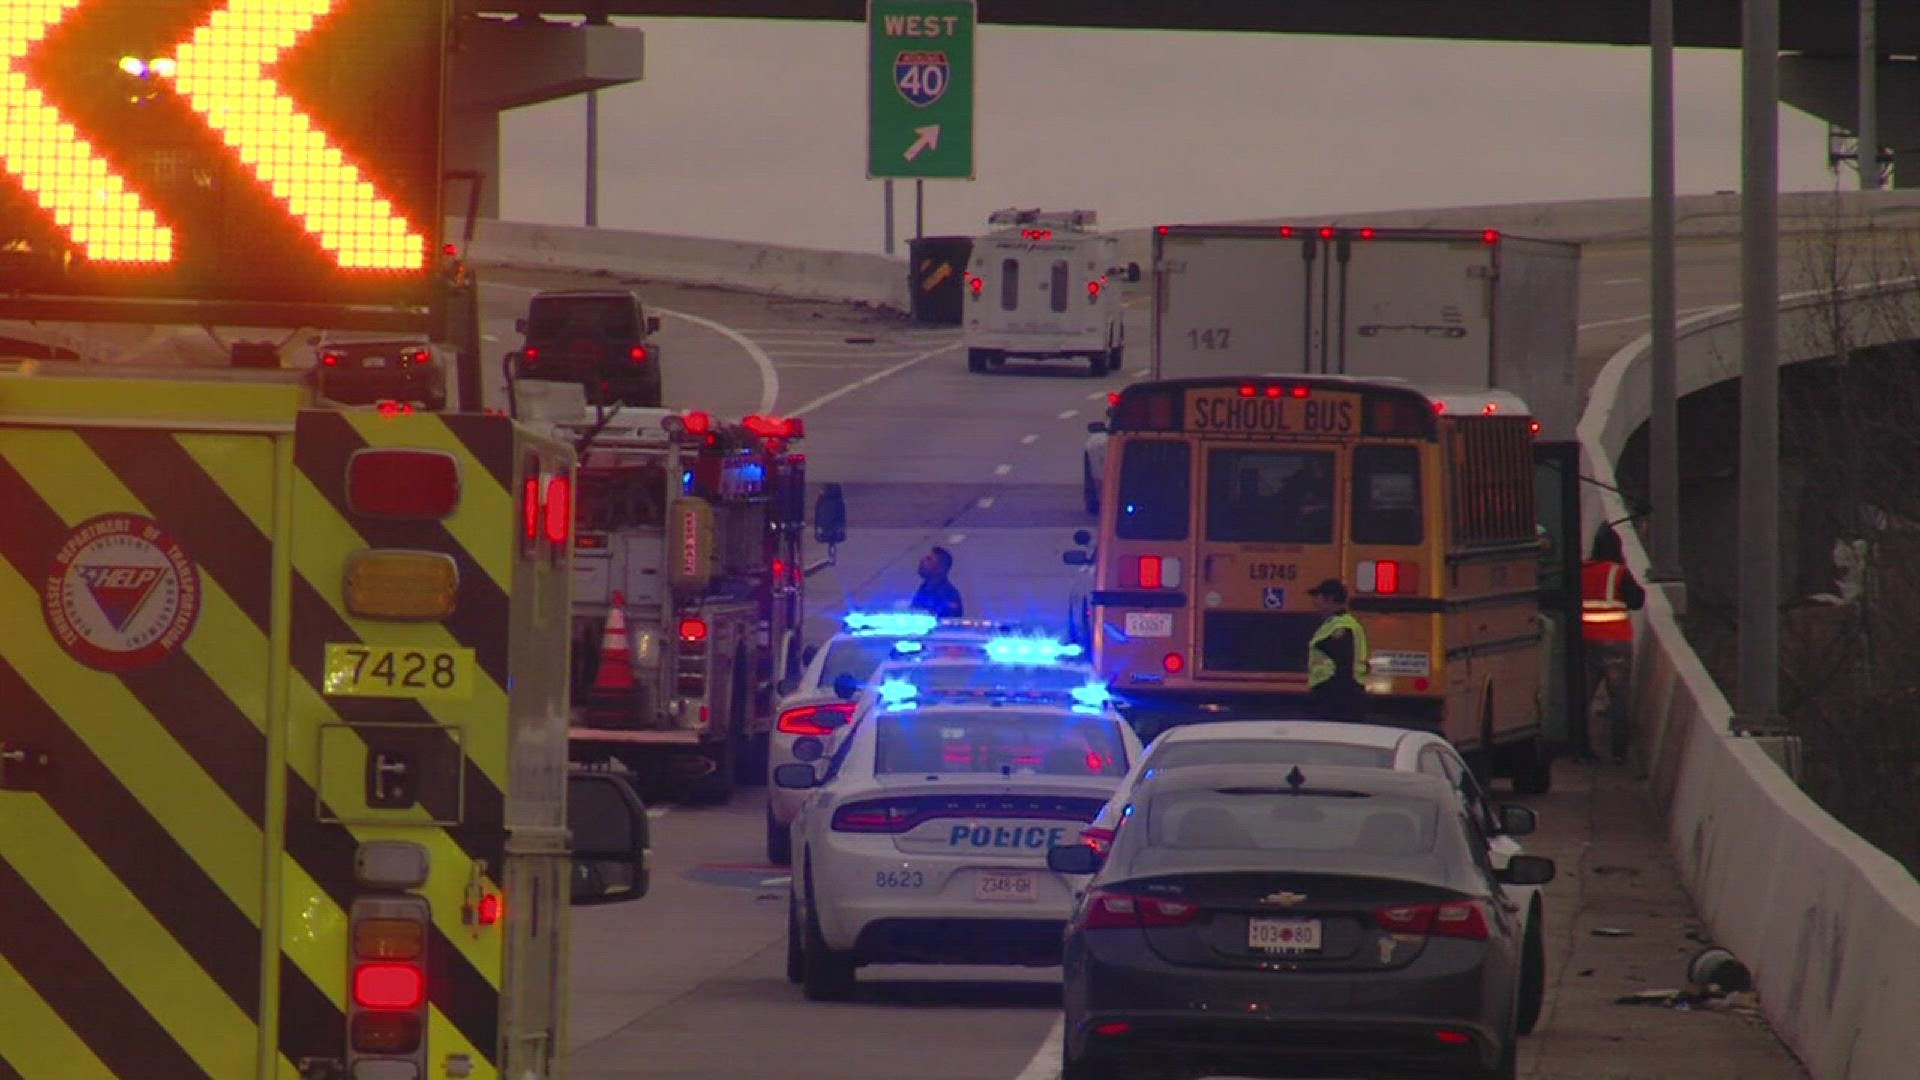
[1608,593]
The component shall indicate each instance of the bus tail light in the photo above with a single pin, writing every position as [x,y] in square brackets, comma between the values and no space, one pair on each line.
[1174,663]
[1151,572]
[1387,577]
[420,485]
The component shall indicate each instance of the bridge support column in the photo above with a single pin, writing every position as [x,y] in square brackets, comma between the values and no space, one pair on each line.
[501,64]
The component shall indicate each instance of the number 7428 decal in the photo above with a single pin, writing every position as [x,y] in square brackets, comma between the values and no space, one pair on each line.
[395,671]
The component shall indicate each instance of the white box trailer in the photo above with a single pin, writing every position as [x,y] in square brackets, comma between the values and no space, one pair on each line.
[1039,288]
[1473,308]
[1437,306]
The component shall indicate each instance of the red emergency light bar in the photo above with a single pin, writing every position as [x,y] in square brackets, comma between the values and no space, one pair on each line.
[768,427]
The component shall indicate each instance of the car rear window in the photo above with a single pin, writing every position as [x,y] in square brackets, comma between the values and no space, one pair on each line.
[1180,755]
[1277,820]
[1000,741]
[601,316]
[854,656]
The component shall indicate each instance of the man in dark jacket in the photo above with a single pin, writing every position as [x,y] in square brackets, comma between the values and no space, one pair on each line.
[936,594]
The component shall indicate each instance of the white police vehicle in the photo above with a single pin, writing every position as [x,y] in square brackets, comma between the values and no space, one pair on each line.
[816,705]
[926,840]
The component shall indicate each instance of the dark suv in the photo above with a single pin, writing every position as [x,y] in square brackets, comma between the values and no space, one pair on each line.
[600,340]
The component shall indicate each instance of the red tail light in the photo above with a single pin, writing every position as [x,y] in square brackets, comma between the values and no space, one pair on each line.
[1109,910]
[698,423]
[693,630]
[530,353]
[1450,1037]
[1150,571]
[637,354]
[403,483]
[419,356]
[1093,290]
[1533,427]
[1387,576]
[389,986]
[488,910]
[559,509]
[873,817]
[1458,919]
[768,427]
[530,507]
[816,719]
[1097,837]
[1490,236]
[976,284]
[1113,398]
[330,359]
[1174,663]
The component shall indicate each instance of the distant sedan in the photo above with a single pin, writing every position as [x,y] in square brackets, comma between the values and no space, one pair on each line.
[1293,921]
[365,371]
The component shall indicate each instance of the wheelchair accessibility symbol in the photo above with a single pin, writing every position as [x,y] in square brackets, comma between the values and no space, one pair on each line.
[921,77]
[1273,598]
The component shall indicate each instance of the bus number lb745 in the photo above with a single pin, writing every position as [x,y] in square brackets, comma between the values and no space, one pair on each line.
[1267,571]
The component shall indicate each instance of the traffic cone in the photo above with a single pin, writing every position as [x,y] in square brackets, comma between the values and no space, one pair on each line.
[616,666]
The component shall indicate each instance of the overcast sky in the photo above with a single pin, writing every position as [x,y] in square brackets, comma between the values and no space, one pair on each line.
[757,131]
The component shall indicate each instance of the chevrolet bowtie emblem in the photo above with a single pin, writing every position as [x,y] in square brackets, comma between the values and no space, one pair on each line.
[1284,899]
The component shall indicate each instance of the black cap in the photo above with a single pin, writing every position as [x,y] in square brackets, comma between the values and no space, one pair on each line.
[1331,589]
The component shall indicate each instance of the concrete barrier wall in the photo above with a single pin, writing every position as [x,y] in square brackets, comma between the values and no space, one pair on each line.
[1828,923]
[802,273]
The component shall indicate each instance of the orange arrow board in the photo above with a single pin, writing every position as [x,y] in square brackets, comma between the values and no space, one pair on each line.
[60,170]
[224,72]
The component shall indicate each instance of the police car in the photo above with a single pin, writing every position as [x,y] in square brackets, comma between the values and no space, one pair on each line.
[926,840]
[815,706]
[1319,742]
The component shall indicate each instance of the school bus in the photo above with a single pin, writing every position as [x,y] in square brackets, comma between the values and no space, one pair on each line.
[1232,497]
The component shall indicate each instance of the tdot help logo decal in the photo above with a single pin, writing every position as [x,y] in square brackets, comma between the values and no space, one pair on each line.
[121,594]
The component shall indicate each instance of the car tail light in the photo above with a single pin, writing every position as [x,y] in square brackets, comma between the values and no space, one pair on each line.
[815,719]
[697,422]
[418,484]
[330,359]
[976,284]
[1533,427]
[693,631]
[1093,290]
[637,354]
[874,817]
[1457,919]
[1097,837]
[1450,1037]
[530,353]
[419,356]
[1112,1028]
[1110,910]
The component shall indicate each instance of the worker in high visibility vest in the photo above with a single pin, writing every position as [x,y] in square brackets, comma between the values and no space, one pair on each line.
[1336,656]
[1608,593]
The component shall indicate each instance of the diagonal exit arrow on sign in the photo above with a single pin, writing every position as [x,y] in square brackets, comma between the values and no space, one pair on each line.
[223,72]
[44,152]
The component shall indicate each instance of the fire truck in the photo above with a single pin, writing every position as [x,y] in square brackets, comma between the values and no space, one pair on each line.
[283,766]
[687,589]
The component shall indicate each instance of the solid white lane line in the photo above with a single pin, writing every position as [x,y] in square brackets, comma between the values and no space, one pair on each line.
[835,395]
[1046,1060]
[955,538]
[1683,313]
[1096,395]
[784,879]
[1002,470]
[985,503]
[769,378]
[1029,440]
[1068,414]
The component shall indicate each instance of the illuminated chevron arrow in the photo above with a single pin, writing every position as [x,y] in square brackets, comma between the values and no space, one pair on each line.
[58,168]
[223,72]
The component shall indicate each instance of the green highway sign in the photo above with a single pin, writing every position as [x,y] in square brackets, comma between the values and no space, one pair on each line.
[920,89]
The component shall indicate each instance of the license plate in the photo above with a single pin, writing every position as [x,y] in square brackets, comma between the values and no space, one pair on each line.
[374,361]
[1006,887]
[1284,935]
[389,671]
[1149,624]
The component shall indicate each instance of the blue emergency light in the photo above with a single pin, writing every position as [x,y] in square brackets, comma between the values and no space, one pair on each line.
[907,648]
[897,691]
[904,623]
[1093,695]
[1017,650]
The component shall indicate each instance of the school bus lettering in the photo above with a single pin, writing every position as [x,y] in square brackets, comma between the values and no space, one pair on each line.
[1266,571]
[1272,416]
